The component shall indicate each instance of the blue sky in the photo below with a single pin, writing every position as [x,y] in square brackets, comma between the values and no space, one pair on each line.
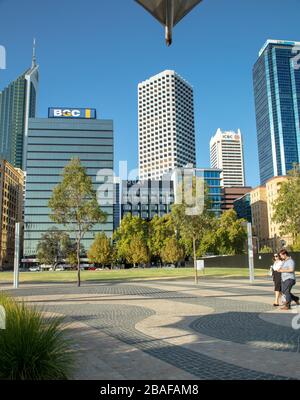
[93,53]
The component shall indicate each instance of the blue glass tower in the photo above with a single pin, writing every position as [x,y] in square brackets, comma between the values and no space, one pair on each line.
[276,78]
[17,105]
[52,143]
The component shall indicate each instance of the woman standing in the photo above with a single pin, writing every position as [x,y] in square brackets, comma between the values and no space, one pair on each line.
[277,264]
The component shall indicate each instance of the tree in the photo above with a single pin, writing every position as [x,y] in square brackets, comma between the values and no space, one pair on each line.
[209,241]
[296,244]
[101,250]
[287,205]
[227,236]
[231,234]
[74,204]
[192,226]
[172,251]
[71,256]
[53,247]
[160,229]
[137,251]
[130,227]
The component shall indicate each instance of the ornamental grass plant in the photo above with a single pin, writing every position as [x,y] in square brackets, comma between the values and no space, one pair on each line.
[33,346]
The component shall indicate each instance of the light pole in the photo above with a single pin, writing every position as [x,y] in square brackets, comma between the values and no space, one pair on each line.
[17,255]
[250,250]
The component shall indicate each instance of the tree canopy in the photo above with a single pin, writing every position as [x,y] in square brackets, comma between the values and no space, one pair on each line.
[287,204]
[74,204]
[54,247]
[101,251]
[130,227]
[172,251]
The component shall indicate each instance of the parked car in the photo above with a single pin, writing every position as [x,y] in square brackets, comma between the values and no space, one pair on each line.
[45,267]
[34,269]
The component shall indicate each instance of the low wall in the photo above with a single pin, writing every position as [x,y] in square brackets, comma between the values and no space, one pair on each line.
[261,261]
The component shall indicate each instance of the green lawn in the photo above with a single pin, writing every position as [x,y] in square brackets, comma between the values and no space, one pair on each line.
[132,274]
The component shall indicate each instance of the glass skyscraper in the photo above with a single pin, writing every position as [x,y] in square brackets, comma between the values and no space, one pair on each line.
[52,143]
[17,105]
[277,100]
[212,179]
[148,198]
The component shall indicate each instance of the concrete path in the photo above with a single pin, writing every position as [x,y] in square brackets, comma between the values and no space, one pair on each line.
[173,329]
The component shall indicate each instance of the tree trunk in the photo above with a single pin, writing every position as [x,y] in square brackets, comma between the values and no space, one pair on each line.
[195,260]
[78,263]
[55,265]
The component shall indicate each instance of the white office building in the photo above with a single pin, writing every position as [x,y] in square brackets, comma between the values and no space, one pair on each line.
[166,125]
[226,153]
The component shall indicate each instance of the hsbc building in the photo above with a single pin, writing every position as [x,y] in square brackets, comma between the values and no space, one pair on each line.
[226,153]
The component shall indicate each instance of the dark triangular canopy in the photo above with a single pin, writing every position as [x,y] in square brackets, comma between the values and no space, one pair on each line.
[158,8]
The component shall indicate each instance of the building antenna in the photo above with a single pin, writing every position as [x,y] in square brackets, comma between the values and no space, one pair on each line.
[33,53]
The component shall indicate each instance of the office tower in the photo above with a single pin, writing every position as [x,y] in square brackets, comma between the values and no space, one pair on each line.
[211,178]
[231,194]
[265,229]
[17,105]
[146,199]
[117,203]
[259,211]
[277,100]
[242,207]
[11,210]
[166,125]
[226,153]
[273,187]
[52,143]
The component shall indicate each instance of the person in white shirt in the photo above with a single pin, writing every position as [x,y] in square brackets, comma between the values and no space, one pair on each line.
[288,278]
[277,264]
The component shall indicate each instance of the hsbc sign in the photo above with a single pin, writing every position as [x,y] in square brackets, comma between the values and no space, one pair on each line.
[231,137]
[76,113]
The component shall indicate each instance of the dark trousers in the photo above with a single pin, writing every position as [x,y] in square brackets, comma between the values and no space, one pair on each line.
[286,290]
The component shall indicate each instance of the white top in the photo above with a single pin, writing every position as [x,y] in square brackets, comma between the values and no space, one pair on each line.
[288,264]
[277,265]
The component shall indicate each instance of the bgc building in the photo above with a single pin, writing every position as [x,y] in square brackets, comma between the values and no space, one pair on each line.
[51,143]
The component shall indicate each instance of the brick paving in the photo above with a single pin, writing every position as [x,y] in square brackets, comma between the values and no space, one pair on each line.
[220,329]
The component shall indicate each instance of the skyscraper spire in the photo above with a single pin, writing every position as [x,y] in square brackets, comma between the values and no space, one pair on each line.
[33,53]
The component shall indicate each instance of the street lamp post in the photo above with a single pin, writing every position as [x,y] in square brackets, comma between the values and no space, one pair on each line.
[17,255]
[250,252]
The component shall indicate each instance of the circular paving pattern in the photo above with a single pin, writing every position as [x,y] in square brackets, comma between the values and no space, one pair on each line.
[248,328]
[234,320]
[119,321]
[108,289]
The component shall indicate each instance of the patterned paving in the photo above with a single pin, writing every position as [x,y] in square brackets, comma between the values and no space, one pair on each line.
[119,321]
[234,320]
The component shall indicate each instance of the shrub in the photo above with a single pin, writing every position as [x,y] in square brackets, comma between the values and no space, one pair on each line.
[33,347]
[266,250]
[296,245]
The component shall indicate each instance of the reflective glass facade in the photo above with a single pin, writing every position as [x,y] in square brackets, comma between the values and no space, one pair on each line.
[212,178]
[277,101]
[156,197]
[52,143]
[17,104]
[145,199]
[242,207]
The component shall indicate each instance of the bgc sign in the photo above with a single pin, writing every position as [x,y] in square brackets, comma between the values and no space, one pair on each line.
[76,113]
